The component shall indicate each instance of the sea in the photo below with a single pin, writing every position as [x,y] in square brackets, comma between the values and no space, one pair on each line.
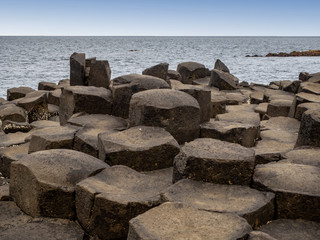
[28,60]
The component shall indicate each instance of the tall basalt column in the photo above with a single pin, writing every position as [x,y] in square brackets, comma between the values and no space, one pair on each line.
[77,69]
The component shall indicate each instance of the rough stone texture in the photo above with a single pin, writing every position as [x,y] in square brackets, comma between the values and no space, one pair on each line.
[288,229]
[296,186]
[13,113]
[219,65]
[303,97]
[309,132]
[106,202]
[92,100]
[49,86]
[15,225]
[301,108]
[4,193]
[257,97]
[12,127]
[215,161]
[100,74]
[257,235]
[241,108]
[236,98]
[54,97]
[77,69]
[306,156]
[244,134]
[52,138]
[271,94]
[19,92]
[290,86]
[43,184]
[160,71]
[173,74]
[10,139]
[11,154]
[202,81]
[98,121]
[277,108]
[64,83]
[190,71]
[124,87]
[175,111]
[141,148]
[281,123]
[218,103]
[240,117]
[178,221]
[262,110]
[44,124]
[310,87]
[279,135]
[223,80]
[255,206]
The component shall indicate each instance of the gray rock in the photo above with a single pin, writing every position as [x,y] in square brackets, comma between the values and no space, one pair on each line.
[215,161]
[43,184]
[290,86]
[236,98]
[257,97]
[303,107]
[19,92]
[64,83]
[243,134]
[277,108]
[304,76]
[124,87]
[257,235]
[10,139]
[310,87]
[49,86]
[141,148]
[106,202]
[178,221]
[309,129]
[190,71]
[296,187]
[100,74]
[271,94]
[201,81]
[173,74]
[12,112]
[44,124]
[306,156]
[160,71]
[4,193]
[281,123]
[255,206]
[77,69]
[175,111]
[284,136]
[91,100]
[54,97]
[219,65]
[240,117]
[223,80]
[303,97]
[218,103]
[262,110]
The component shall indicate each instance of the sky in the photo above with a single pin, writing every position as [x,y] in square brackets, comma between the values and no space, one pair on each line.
[160,18]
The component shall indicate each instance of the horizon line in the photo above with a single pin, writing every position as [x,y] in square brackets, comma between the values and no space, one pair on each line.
[159,36]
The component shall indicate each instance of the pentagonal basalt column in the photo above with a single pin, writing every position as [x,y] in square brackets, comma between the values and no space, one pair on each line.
[215,161]
[43,184]
[106,202]
[175,111]
[255,206]
[141,148]
[179,221]
[296,186]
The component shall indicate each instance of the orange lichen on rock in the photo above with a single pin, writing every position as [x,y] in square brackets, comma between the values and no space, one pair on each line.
[310,53]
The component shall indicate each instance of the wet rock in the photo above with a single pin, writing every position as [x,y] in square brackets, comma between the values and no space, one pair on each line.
[124,87]
[43,184]
[277,108]
[175,111]
[223,80]
[107,201]
[173,74]
[303,107]
[178,221]
[303,97]
[306,156]
[100,74]
[294,185]
[243,134]
[91,100]
[160,71]
[309,129]
[257,97]
[141,148]
[19,92]
[49,86]
[12,112]
[190,71]
[219,65]
[215,161]
[77,69]
[12,127]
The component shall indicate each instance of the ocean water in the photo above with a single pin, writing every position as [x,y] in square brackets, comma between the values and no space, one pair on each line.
[26,61]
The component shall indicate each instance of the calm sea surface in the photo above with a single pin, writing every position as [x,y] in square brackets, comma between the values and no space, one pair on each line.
[26,61]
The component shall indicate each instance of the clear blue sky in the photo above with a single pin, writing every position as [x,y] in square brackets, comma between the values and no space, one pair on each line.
[160,17]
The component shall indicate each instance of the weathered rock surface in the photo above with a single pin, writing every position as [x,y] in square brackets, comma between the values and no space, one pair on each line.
[100,74]
[257,235]
[218,103]
[48,86]
[77,69]
[281,123]
[277,108]
[178,221]
[124,87]
[190,71]
[173,74]
[44,124]
[303,107]
[257,97]
[160,71]
[303,97]
[306,156]
[296,187]
[240,117]
[255,206]
[223,80]
[215,161]
[219,65]
[175,111]
[262,109]
[241,108]
[54,97]
[13,113]
[201,81]
[19,92]
[290,86]
[235,98]
[10,139]
[12,127]
[91,100]
[310,87]
[107,201]
[284,136]
[309,132]
[244,134]
[141,148]
[43,184]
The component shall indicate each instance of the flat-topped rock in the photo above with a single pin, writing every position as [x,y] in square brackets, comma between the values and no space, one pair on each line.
[13,113]
[223,80]
[52,138]
[255,206]
[215,161]
[281,123]
[257,235]
[43,184]
[15,225]
[241,108]
[44,124]
[310,87]
[54,97]
[303,107]
[178,221]
[10,139]
[124,87]
[303,97]
[240,117]
[48,86]
[309,129]
[18,92]
[294,185]
[262,110]
[244,134]
[98,121]
[306,156]
[160,71]
[288,229]
[201,81]
[11,154]
[271,94]
[175,111]
[91,100]
[9,126]
[107,201]
[190,71]
[218,103]
[141,148]
[236,98]
[279,107]
[279,135]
